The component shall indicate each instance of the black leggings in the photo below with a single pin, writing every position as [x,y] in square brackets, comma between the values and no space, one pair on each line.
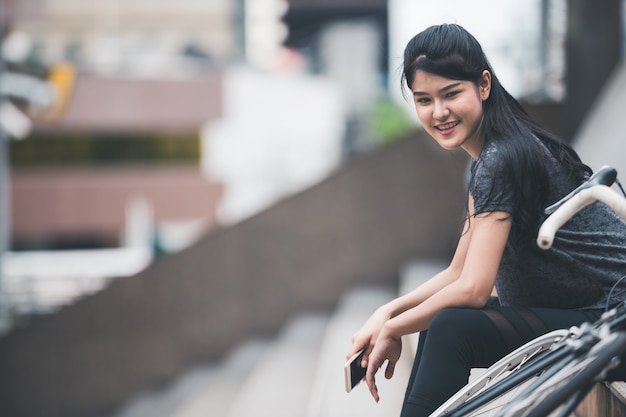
[459,339]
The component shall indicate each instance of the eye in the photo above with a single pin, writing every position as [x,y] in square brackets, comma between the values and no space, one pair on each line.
[451,94]
[422,100]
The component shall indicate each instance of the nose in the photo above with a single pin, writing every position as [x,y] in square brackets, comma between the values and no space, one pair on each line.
[440,111]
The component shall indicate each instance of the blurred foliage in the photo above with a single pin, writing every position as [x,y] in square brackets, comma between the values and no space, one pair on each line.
[49,150]
[390,122]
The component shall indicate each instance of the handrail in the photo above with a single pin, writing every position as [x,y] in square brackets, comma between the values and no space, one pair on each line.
[568,209]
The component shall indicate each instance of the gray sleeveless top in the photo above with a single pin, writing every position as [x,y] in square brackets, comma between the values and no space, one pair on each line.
[588,255]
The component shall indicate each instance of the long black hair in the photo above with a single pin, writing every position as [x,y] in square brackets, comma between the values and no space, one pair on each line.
[450,51]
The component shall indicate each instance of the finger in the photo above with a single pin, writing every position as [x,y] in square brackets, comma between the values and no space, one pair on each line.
[356,347]
[366,355]
[391,367]
[371,383]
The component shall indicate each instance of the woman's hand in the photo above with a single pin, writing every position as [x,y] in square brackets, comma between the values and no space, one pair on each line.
[368,334]
[387,348]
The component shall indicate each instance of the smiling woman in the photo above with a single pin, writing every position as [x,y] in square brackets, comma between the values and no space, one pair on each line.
[517,168]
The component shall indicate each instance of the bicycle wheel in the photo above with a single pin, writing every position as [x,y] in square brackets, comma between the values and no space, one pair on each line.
[575,377]
[492,389]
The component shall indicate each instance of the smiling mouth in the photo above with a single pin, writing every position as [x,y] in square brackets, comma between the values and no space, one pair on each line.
[447,126]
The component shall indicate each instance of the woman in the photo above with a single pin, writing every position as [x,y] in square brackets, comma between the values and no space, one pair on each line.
[517,169]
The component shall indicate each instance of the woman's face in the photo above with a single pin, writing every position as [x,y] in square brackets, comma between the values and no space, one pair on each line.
[451,111]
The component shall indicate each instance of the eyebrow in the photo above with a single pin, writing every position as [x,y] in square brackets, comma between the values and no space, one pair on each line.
[443,90]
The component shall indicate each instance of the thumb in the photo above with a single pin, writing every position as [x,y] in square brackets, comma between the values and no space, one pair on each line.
[391,367]
[366,355]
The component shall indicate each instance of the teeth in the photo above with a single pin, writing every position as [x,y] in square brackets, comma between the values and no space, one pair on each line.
[447,126]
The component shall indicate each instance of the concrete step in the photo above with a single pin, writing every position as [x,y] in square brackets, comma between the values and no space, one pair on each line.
[299,373]
[207,390]
[328,398]
[280,383]
[216,399]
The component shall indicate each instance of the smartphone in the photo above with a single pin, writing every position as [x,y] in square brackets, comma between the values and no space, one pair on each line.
[353,371]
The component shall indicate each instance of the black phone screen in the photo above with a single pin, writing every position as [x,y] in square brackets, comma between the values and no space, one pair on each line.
[357,372]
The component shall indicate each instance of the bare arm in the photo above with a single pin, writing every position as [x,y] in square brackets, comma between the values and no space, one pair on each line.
[368,333]
[487,239]
[468,282]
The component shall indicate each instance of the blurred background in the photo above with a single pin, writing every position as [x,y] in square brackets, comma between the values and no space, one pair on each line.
[177,177]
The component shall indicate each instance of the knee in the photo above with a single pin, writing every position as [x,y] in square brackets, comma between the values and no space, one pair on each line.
[453,325]
[445,323]
[445,319]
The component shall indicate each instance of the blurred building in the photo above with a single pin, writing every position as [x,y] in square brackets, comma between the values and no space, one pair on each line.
[119,141]
[323,68]
[148,82]
[158,83]
[347,41]
[117,179]
[183,117]
[138,36]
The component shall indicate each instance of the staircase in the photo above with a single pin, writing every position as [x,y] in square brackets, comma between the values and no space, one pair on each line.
[299,373]
[182,334]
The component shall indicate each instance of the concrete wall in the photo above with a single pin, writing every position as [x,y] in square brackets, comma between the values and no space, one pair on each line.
[604,400]
[358,226]
[597,143]
[593,49]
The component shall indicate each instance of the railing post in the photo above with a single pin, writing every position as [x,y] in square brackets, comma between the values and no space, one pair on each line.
[5,193]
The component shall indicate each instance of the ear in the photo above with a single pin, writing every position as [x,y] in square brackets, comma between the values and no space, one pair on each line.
[485,85]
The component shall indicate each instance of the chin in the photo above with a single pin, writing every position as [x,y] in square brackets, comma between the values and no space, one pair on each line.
[448,146]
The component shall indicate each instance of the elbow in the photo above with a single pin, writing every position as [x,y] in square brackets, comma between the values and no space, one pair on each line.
[481,301]
[475,297]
